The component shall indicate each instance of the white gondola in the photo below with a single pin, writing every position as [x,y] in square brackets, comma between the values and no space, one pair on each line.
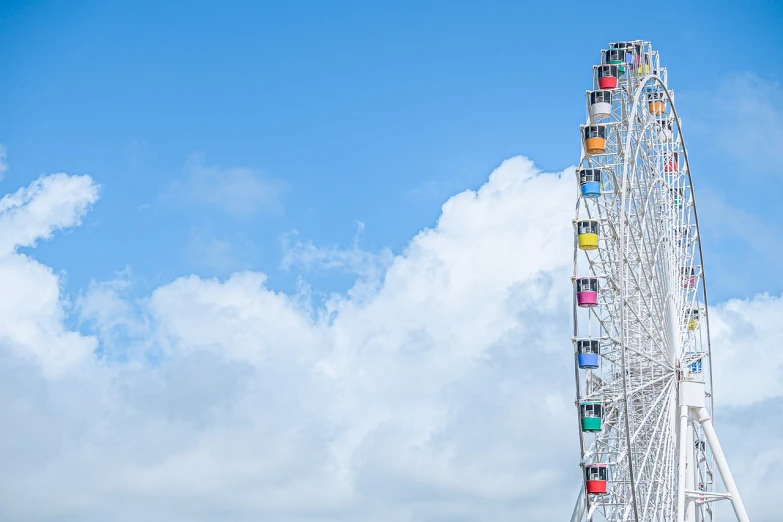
[601,105]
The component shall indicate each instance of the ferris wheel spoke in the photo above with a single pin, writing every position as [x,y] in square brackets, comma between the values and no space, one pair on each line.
[664,467]
[652,259]
[645,257]
[639,324]
[660,426]
[651,409]
[662,363]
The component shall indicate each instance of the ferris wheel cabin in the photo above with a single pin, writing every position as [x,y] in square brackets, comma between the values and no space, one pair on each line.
[643,66]
[595,139]
[629,50]
[615,57]
[587,234]
[588,352]
[695,364]
[587,291]
[666,131]
[607,76]
[692,318]
[591,414]
[600,104]
[688,277]
[655,103]
[672,162]
[596,476]
[678,196]
[590,183]
[685,235]
[636,58]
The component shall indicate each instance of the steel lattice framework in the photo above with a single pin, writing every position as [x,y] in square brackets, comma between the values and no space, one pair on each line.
[652,385]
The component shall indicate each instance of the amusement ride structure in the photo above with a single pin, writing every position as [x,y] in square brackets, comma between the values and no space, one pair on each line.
[642,360]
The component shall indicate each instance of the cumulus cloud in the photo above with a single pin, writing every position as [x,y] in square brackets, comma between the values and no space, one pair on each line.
[444,392]
[238,191]
[747,334]
[48,204]
[32,309]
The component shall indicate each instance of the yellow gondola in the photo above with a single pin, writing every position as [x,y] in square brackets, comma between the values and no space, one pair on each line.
[587,234]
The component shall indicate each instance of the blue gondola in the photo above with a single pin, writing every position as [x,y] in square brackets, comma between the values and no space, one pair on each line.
[587,353]
[590,182]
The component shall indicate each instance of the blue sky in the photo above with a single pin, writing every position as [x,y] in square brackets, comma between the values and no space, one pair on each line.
[218,155]
[353,111]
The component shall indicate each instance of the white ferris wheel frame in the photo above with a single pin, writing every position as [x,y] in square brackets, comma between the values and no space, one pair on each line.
[691,400]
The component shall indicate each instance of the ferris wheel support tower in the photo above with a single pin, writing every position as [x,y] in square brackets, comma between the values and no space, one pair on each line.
[642,356]
[693,409]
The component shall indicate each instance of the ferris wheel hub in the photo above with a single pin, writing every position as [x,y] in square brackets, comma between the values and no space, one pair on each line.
[692,394]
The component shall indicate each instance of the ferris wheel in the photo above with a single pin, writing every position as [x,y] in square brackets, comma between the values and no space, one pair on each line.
[642,360]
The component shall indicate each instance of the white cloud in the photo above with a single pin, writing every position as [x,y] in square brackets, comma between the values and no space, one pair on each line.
[238,191]
[31,308]
[48,204]
[747,335]
[753,443]
[107,308]
[442,393]
[356,260]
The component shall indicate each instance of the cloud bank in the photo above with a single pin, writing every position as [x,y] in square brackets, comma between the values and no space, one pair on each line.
[439,388]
